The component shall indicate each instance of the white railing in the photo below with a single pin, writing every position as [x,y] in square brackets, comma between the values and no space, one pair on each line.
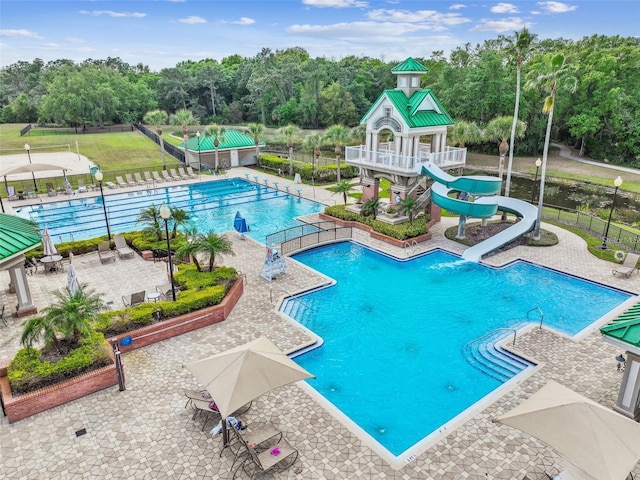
[451,156]
[385,159]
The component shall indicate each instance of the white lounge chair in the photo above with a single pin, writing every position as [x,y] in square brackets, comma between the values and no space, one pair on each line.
[139,179]
[122,248]
[130,181]
[149,179]
[105,253]
[191,173]
[629,265]
[121,182]
[166,176]
[174,175]
[157,177]
[183,174]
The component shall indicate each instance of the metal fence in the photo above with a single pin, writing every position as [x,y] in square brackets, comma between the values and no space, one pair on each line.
[25,130]
[315,238]
[169,148]
[77,130]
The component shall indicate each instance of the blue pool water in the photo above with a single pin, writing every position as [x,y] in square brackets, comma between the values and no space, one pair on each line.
[395,332]
[211,205]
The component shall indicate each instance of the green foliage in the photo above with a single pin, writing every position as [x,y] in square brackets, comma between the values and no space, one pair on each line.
[188,277]
[402,231]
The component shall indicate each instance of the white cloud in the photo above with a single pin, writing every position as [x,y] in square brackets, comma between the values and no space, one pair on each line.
[556,7]
[504,8]
[419,16]
[499,26]
[111,13]
[50,45]
[192,20]
[20,34]
[335,3]
[359,31]
[74,40]
[457,6]
[244,21]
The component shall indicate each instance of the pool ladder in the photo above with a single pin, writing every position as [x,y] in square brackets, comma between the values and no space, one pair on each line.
[539,310]
[411,248]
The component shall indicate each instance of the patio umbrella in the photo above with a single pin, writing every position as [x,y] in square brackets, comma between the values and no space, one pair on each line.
[47,243]
[240,224]
[73,284]
[598,441]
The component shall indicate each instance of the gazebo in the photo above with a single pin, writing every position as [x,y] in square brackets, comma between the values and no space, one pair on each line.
[18,236]
[237,150]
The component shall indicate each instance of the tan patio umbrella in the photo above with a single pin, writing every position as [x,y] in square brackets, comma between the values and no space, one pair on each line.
[598,441]
[47,243]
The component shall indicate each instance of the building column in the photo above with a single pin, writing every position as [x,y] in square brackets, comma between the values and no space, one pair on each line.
[19,280]
[628,402]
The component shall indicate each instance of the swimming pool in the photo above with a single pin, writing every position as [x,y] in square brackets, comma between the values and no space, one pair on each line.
[211,205]
[394,358]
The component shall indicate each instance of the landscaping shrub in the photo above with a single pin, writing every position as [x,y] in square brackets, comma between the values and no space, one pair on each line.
[401,231]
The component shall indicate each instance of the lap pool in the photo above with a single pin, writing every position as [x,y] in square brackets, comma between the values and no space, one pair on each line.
[398,356]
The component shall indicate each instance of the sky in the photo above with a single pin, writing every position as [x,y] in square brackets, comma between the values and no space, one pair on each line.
[163,33]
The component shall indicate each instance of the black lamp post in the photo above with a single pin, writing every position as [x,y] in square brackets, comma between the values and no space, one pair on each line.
[199,159]
[99,176]
[165,213]
[28,148]
[535,180]
[617,182]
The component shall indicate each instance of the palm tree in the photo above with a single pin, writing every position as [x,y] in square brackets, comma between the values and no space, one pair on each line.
[151,217]
[158,118]
[210,244]
[339,136]
[343,187]
[549,72]
[519,48]
[289,131]
[464,132]
[312,143]
[256,130]
[179,217]
[408,207]
[65,322]
[218,133]
[184,118]
[370,207]
[498,129]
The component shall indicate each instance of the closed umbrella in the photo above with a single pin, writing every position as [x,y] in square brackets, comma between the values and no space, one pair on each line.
[240,225]
[603,444]
[47,243]
[73,284]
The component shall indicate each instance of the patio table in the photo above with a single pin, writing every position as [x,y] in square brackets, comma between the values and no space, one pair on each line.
[52,263]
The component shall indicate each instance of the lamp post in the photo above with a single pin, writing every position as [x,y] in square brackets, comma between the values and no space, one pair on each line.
[165,213]
[199,159]
[28,148]
[99,176]
[535,180]
[617,182]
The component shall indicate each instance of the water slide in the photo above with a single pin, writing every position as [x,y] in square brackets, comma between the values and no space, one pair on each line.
[485,205]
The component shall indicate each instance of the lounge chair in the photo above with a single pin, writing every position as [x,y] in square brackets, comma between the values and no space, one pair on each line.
[130,181]
[202,408]
[157,177]
[276,457]
[122,248]
[11,193]
[628,266]
[105,253]
[183,174]
[134,299]
[166,176]
[174,175]
[191,173]
[51,191]
[257,437]
[121,183]
[139,179]
[111,185]
[150,181]
[4,320]
[82,188]
[165,290]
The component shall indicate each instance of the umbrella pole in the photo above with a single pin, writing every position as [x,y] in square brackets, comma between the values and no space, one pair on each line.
[225,435]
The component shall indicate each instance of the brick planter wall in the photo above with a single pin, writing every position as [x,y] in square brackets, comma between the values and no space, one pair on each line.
[28,404]
[378,236]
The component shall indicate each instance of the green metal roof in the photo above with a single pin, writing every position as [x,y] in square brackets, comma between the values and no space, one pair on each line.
[17,235]
[410,66]
[422,109]
[626,327]
[232,139]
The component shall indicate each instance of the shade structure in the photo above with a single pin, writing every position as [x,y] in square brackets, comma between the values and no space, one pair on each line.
[239,375]
[73,284]
[240,224]
[32,167]
[600,442]
[47,243]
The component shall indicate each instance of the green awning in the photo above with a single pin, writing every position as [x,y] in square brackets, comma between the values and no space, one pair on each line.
[625,328]
[232,139]
[17,235]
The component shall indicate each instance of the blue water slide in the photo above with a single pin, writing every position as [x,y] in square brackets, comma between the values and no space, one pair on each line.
[485,205]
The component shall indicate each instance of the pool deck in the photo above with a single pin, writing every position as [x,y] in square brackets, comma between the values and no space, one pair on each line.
[146,433]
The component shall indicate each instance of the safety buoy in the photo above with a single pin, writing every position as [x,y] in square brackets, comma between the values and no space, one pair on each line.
[619,255]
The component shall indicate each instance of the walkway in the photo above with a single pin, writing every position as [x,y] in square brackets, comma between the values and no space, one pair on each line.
[565,152]
[146,433]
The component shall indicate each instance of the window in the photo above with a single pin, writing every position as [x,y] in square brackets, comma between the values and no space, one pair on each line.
[415,82]
[402,81]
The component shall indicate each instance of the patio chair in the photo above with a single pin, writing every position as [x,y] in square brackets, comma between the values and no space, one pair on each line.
[31,267]
[130,181]
[4,320]
[183,174]
[51,191]
[191,173]
[165,290]
[82,188]
[174,175]
[11,193]
[259,437]
[105,253]
[157,177]
[134,299]
[628,266]
[277,457]
[139,179]
[122,248]
[166,176]
[148,178]
[111,185]
[121,183]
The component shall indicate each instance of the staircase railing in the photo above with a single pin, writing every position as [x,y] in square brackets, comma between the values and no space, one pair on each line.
[515,333]
[541,314]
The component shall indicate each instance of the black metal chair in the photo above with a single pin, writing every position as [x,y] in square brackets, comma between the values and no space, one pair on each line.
[4,320]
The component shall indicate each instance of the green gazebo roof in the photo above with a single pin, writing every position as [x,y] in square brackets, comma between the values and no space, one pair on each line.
[232,139]
[625,328]
[422,109]
[410,66]
[17,235]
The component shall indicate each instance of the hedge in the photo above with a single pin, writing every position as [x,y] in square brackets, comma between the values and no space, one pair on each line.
[320,174]
[401,231]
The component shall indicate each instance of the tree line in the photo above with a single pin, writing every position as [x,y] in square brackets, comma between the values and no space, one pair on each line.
[477,85]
